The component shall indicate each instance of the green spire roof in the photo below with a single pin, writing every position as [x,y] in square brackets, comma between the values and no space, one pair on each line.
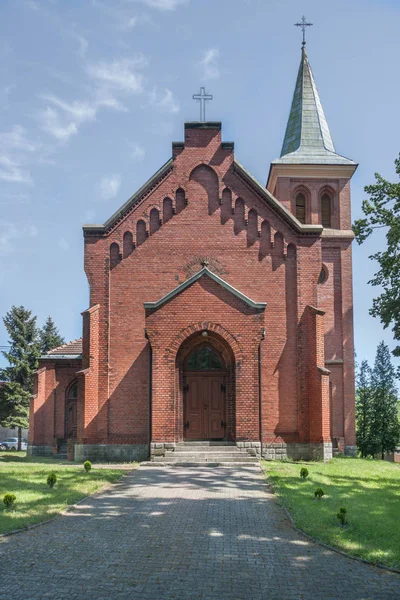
[307,138]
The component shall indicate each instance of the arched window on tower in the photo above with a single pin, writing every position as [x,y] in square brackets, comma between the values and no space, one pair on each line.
[301,207]
[326,211]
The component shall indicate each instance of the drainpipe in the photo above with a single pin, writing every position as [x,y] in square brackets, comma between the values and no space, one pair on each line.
[260,396]
[150,375]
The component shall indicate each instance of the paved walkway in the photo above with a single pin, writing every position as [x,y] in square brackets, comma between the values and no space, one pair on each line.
[182,534]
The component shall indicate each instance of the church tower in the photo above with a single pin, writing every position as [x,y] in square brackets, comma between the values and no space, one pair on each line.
[313,182]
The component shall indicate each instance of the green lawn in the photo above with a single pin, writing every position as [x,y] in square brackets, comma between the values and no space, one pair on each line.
[26,478]
[368,489]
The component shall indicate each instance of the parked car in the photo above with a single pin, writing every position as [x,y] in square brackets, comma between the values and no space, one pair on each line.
[11,443]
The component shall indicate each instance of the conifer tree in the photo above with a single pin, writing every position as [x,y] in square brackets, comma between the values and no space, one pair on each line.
[364,409]
[23,360]
[385,430]
[50,336]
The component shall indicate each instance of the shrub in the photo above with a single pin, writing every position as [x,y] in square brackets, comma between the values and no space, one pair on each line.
[303,472]
[87,465]
[51,479]
[341,515]
[319,492]
[9,500]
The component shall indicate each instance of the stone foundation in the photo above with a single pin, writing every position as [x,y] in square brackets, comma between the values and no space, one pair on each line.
[111,452]
[253,448]
[39,450]
[350,451]
[282,451]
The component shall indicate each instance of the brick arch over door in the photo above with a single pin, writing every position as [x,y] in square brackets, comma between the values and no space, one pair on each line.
[172,350]
[205,397]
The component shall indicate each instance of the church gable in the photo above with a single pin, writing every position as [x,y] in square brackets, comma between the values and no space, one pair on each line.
[231,192]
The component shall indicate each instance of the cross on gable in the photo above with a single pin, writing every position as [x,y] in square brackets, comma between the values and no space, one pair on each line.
[202,97]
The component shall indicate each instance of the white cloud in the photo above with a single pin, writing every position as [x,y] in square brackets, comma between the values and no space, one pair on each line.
[164,4]
[17,153]
[82,42]
[121,74]
[62,119]
[16,139]
[138,152]
[62,242]
[164,101]
[13,171]
[209,63]
[10,232]
[109,186]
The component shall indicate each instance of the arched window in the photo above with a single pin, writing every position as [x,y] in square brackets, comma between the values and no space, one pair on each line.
[154,220]
[301,207]
[323,276]
[204,359]
[326,210]
[73,392]
[127,244]
[115,257]
[71,412]
[141,233]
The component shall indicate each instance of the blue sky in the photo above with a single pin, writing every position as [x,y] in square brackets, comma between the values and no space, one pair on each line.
[93,93]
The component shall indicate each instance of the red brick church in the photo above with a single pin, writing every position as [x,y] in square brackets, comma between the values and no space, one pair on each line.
[220,309]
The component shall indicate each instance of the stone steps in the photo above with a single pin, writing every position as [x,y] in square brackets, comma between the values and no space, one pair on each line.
[205,453]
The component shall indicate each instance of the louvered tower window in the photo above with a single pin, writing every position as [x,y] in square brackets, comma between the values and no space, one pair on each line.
[301,207]
[326,211]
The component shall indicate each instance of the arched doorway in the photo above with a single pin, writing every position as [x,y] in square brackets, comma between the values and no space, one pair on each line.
[205,383]
[71,423]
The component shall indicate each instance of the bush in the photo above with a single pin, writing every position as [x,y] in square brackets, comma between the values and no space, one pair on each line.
[51,479]
[319,492]
[87,465]
[9,500]
[303,473]
[341,515]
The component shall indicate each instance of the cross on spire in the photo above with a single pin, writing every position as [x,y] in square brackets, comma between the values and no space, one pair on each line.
[303,26]
[202,97]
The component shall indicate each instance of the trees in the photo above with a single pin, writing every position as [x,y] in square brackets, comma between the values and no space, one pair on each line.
[378,429]
[50,336]
[385,430]
[382,210]
[363,408]
[27,343]
[23,360]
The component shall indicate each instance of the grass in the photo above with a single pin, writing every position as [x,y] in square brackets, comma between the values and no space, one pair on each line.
[26,478]
[368,489]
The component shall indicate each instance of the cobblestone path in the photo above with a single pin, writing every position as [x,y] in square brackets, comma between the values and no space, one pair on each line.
[182,533]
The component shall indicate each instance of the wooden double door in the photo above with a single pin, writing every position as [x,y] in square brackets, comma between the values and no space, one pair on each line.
[204,406]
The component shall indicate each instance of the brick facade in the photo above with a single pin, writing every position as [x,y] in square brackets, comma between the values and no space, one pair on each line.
[291,364]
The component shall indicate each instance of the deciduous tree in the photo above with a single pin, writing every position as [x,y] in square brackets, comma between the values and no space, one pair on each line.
[382,211]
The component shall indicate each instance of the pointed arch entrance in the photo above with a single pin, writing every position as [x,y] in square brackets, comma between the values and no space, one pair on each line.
[206,375]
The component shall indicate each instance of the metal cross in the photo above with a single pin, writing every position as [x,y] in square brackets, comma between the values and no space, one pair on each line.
[202,97]
[303,26]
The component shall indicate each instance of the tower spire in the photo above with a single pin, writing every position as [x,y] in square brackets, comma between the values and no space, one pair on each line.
[308,139]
